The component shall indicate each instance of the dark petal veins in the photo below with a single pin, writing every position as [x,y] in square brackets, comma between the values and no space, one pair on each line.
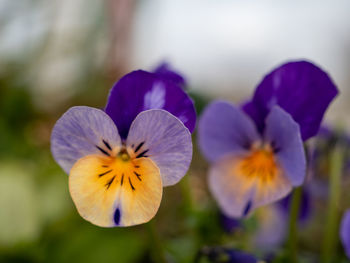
[139,91]
[300,88]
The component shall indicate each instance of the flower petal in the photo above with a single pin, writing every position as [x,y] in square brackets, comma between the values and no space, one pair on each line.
[82,131]
[283,133]
[141,90]
[300,88]
[165,71]
[224,128]
[108,193]
[238,193]
[345,232]
[162,137]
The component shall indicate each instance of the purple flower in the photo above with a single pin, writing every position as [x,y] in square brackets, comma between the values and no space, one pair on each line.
[164,70]
[305,205]
[345,232]
[250,169]
[301,89]
[119,160]
[272,228]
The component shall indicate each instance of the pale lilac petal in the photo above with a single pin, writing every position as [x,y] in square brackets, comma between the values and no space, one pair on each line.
[283,133]
[163,138]
[224,128]
[83,131]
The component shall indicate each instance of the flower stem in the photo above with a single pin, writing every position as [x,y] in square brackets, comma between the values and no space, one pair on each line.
[157,249]
[293,225]
[186,194]
[331,228]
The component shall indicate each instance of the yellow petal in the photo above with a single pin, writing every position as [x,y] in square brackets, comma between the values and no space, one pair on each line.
[115,191]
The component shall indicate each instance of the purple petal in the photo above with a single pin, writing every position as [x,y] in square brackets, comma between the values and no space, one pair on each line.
[82,131]
[282,132]
[345,232]
[162,137]
[165,71]
[139,91]
[223,128]
[300,88]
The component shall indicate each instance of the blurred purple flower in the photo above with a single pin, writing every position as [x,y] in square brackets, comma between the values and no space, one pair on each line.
[119,160]
[164,70]
[250,170]
[345,232]
[229,224]
[272,228]
[300,88]
[305,205]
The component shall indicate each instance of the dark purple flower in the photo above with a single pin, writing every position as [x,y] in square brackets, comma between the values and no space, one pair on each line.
[119,160]
[301,89]
[250,169]
[164,70]
[345,232]
[139,91]
[305,204]
[229,224]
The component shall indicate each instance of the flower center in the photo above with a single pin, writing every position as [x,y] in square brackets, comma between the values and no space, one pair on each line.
[260,163]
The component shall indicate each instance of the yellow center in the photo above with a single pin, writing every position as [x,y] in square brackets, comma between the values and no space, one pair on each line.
[260,163]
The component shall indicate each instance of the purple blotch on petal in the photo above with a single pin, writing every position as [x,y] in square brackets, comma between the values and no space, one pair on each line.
[345,232]
[224,128]
[82,131]
[117,216]
[283,133]
[139,91]
[300,88]
[165,140]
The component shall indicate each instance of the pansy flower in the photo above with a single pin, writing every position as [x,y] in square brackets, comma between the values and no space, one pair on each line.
[257,151]
[119,159]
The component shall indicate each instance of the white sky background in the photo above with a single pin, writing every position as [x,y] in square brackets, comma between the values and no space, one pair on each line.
[225,47]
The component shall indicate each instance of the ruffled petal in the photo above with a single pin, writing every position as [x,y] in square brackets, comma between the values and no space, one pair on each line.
[224,128]
[83,131]
[300,88]
[159,135]
[110,192]
[139,91]
[283,133]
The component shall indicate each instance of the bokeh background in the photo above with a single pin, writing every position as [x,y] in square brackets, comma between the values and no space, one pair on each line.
[59,53]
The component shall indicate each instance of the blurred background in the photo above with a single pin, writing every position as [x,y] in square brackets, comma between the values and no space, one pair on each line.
[56,54]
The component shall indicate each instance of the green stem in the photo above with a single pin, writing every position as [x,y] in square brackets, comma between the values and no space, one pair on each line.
[293,225]
[186,194]
[157,249]
[331,232]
